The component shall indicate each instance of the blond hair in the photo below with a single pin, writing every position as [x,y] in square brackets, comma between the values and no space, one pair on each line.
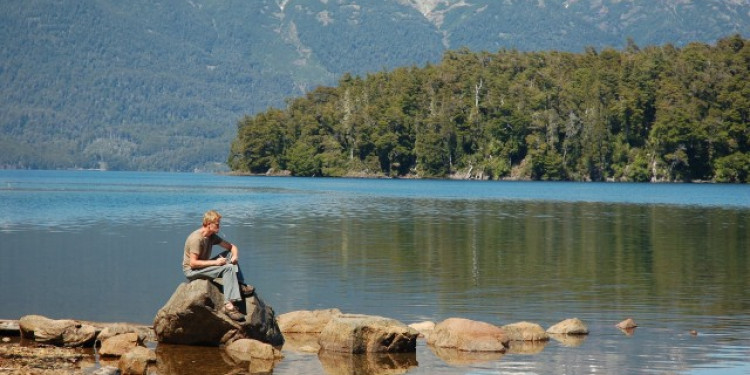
[211,217]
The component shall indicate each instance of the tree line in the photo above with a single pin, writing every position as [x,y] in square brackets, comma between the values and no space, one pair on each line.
[658,113]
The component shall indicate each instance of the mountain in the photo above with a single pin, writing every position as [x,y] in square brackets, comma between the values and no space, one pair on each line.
[161,85]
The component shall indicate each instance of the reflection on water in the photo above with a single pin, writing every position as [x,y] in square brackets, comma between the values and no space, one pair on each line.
[456,357]
[182,359]
[366,364]
[107,247]
[301,342]
[526,347]
[490,258]
[568,340]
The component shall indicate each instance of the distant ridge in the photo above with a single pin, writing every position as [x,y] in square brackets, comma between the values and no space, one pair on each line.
[143,85]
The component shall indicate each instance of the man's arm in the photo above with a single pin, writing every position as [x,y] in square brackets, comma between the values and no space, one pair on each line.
[231,247]
[196,263]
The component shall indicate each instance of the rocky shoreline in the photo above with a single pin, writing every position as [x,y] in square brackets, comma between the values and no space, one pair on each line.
[336,337]
[344,343]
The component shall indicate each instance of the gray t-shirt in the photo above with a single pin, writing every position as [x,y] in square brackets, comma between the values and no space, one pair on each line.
[197,244]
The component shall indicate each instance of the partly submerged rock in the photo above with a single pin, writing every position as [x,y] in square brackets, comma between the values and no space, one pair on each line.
[572,326]
[525,331]
[136,360]
[628,323]
[116,346]
[145,333]
[63,332]
[355,333]
[627,326]
[245,350]
[468,335]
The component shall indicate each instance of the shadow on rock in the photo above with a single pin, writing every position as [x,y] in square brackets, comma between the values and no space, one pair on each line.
[335,363]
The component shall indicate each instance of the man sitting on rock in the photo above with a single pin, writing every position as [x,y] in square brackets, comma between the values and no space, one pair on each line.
[198,264]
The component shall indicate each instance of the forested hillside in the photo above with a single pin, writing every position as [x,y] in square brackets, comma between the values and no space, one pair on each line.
[145,85]
[651,114]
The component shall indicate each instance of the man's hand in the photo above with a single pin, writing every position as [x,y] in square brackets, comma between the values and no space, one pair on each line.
[220,261]
[233,249]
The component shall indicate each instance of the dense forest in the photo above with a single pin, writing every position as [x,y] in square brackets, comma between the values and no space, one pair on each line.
[658,113]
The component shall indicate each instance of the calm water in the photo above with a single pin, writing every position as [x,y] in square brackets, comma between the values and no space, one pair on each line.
[107,246]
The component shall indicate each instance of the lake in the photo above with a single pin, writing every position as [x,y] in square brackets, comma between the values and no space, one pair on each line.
[107,246]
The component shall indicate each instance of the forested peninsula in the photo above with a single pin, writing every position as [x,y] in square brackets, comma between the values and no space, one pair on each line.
[657,113]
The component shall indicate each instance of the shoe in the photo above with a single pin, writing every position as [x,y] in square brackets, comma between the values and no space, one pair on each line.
[233,313]
[247,290]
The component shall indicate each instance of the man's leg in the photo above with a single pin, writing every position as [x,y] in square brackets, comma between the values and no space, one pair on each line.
[245,289]
[231,285]
[227,275]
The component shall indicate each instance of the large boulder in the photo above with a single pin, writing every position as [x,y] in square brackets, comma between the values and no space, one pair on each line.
[193,316]
[468,335]
[306,321]
[357,334]
[63,332]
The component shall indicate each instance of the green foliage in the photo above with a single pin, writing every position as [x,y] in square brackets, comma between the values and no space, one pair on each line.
[652,114]
[733,168]
[303,160]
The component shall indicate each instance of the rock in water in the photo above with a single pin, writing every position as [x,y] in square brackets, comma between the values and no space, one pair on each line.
[628,323]
[525,331]
[63,332]
[136,361]
[118,345]
[306,321]
[193,316]
[572,326]
[357,334]
[246,350]
[469,336]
